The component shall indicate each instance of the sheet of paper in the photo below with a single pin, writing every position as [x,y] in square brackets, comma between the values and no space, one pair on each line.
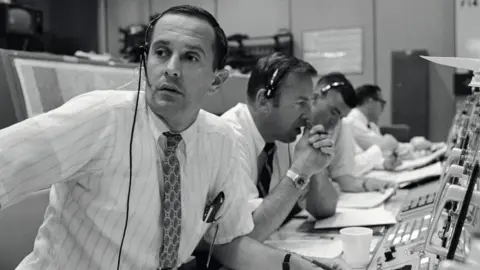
[420,162]
[364,199]
[348,217]
[318,248]
[405,177]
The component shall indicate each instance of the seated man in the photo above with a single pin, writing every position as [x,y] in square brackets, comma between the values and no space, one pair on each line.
[364,118]
[334,97]
[373,157]
[277,109]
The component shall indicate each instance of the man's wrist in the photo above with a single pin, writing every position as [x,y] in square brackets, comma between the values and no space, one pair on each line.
[300,170]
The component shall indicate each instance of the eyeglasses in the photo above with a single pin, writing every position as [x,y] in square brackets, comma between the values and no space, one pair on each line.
[382,101]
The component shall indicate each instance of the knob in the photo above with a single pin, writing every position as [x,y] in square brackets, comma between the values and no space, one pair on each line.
[455,170]
[393,249]
[456,153]
[388,256]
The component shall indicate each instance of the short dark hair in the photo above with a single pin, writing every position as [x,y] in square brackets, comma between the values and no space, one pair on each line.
[337,81]
[220,48]
[262,73]
[366,92]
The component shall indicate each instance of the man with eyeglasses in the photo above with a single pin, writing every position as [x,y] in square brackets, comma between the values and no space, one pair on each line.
[364,120]
[333,99]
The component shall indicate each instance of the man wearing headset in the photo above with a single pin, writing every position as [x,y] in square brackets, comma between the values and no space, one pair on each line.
[131,174]
[333,98]
[277,108]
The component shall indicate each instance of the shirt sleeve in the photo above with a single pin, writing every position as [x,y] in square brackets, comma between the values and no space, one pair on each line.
[52,147]
[235,216]
[343,161]
[363,136]
[368,160]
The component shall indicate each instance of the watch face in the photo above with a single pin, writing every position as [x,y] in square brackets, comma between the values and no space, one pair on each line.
[301,181]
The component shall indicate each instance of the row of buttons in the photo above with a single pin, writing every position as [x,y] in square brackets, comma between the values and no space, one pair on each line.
[419,202]
[409,230]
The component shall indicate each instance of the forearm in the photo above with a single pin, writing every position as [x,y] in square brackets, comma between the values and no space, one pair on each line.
[322,198]
[245,253]
[274,209]
[348,183]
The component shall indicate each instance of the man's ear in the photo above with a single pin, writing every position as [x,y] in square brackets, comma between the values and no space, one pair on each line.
[220,77]
[262,103]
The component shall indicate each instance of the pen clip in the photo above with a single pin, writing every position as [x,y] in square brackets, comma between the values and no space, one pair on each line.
[212,208]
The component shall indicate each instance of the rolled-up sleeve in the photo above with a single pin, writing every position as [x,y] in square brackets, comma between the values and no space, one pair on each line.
[51,147]
[235,217]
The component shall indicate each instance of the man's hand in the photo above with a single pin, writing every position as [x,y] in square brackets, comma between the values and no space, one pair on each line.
[391,162]
[388,144]
[313,151]
[372,184]
[420,143]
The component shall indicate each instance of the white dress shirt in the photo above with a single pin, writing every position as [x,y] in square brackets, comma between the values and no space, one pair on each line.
[365,160]
[81,150]
[252,144]
[365,133]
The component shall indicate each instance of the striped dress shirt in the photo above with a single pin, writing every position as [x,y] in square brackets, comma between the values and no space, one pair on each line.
[81,150]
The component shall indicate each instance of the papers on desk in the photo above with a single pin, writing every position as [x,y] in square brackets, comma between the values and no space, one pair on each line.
[364,199]
[405,177]
[422,161]
[315,248]
[348,217]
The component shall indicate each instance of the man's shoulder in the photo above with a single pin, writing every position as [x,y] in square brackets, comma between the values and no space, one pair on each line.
[109,98]
[211,124]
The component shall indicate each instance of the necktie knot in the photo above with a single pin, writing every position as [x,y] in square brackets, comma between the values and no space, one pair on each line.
[173,139]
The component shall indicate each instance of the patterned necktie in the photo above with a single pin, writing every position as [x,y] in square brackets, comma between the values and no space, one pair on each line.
[172,203]
[264,163]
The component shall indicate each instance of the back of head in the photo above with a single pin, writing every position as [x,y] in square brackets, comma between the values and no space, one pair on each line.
[338,82]
[271,71]
[366,92]
[220,47]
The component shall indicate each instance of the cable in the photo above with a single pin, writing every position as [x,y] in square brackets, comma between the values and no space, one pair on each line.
[142,59]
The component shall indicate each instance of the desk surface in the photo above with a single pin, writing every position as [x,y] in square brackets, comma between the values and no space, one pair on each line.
[301,229]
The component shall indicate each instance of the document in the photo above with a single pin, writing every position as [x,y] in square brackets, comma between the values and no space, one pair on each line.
[422,161]
[314,248]
[348,217]
[364,199]
[405,177]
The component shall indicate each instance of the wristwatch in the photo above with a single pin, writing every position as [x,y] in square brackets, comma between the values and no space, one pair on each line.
[299,181]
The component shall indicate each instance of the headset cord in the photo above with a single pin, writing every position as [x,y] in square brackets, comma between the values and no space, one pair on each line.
[130,161]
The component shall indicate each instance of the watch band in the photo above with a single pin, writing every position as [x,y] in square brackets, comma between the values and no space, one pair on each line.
[299,181]
[286,262]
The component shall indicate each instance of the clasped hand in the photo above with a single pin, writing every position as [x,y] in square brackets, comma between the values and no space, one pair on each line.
[313,151]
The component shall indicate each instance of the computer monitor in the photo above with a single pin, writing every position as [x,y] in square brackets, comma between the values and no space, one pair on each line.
[34,83]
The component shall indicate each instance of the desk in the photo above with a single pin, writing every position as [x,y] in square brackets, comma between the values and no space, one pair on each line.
[302,229]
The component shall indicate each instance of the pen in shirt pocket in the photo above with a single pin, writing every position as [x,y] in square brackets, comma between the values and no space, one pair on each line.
[209,215]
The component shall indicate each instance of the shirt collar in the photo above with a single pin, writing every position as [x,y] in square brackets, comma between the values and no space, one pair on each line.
[158,127]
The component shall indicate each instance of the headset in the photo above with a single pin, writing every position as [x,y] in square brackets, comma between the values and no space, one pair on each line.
[272,84]
[143,53]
